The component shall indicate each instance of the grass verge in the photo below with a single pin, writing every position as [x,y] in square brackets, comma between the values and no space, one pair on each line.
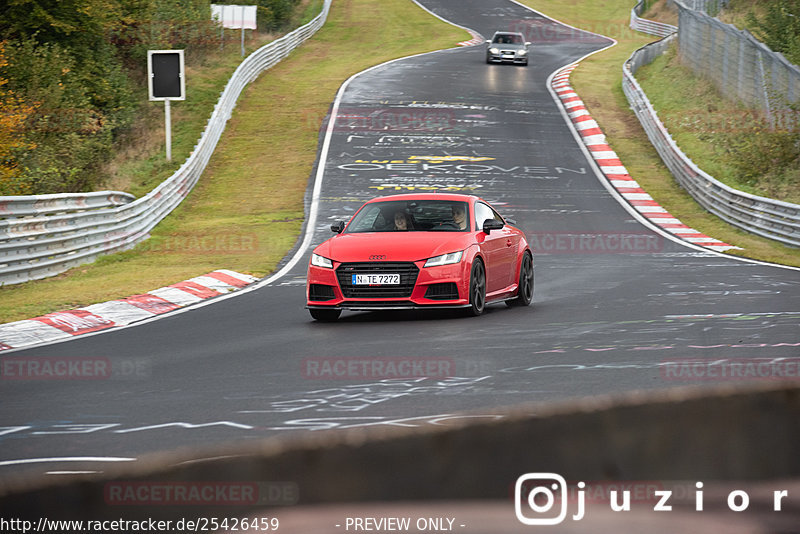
[598,80]
[247,210]
[728,140]
[140,163]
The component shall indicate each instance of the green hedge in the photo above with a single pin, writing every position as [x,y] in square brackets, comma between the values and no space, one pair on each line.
[78,67]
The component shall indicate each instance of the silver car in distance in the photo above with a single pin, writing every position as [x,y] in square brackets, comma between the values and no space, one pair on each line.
[507,47]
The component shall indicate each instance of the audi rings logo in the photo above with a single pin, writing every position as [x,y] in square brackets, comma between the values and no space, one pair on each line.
[377,257]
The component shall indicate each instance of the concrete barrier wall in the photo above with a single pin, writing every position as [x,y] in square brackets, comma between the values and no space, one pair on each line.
[685,434]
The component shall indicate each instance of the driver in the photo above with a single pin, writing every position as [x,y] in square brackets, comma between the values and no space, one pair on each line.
[460,216]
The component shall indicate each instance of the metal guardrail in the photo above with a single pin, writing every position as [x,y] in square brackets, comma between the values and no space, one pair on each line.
[773,219]
[30,205]
[652,27]
[45,239]
[739,65]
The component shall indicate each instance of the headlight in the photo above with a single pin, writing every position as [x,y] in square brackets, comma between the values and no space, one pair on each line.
[444,259]
[321,261]
[522,52]
[494,50]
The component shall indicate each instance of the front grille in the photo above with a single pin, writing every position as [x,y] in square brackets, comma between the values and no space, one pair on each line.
[408,278]
[509,52]
[320,292]
[445,291]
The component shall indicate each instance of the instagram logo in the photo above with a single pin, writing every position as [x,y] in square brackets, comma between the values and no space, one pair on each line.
[540,491]
[546,496]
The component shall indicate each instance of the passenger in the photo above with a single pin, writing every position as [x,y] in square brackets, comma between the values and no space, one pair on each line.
[401,220]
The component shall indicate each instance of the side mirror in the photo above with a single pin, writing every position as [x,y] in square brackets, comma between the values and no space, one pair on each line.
[527,43]
[492,224]
[337,227]
[488,41]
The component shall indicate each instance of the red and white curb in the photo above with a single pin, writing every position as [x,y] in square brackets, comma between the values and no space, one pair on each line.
[616,173]
[476,39]
[65,324]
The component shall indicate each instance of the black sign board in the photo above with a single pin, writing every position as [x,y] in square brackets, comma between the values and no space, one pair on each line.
[165,70]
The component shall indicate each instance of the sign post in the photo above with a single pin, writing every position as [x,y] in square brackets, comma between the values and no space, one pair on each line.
[168,129]
[242,23]
[235,17]
[166,81]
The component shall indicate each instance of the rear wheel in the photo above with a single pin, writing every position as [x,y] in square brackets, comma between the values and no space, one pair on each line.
[525,286]
[325,316]
[477,288]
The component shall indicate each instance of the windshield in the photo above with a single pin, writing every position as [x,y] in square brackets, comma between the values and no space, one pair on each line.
[507,39]
[411,216]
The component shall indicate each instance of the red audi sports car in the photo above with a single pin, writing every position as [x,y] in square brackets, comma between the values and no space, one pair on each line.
[429,250]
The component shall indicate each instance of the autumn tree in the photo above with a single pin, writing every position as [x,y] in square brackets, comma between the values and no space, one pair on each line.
[13,114]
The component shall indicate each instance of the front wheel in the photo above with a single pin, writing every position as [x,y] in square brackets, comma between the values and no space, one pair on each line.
[325,316]
[525,286]
[477,289]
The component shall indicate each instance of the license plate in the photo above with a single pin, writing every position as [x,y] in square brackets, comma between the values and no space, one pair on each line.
[508,56]
[376,279]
